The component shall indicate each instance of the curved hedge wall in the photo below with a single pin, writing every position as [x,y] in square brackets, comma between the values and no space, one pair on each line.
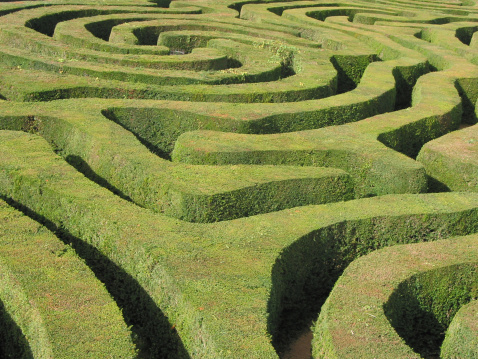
[209,169]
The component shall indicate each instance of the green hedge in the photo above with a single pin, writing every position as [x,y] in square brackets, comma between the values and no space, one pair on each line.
[59,306]
[459,68]
[451,160]
[461,340]
[255,67]
[375,169]
[74,77]
[214,281]
[422,307]
[192,193]
[73,62]
[401,304]
[436,110]
[261,85]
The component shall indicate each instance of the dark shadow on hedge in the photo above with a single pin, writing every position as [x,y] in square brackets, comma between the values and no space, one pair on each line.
[139,129]
[46,24]
[82,166]
[13,343]
[302,279]
[422,307]
[350,69]
[435,186]
[153,335]
[306,271]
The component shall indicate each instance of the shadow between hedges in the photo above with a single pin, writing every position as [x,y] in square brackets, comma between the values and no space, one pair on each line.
[46,24]
[13,344]
[152,333]
[422,307]
[83,167]
[306,271]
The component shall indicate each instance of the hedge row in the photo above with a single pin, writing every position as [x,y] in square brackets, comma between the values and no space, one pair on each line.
[66,84]
[449,160]
[45,19]
[225,286]
[254,72]
[350,69]
[75,64]
[441,59]
[360,12]
[240,288]
[436,109]
[49,86]
[248,118]
[400,304]
[52,304]
[452,160]
[254,67]
[193,193]
[461,338]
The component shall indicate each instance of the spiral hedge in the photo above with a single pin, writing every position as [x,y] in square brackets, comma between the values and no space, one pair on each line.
[205,179]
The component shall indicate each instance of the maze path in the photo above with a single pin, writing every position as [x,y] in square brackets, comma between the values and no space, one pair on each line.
[266,119]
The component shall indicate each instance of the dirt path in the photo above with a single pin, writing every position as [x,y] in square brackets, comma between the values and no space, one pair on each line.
[301,348]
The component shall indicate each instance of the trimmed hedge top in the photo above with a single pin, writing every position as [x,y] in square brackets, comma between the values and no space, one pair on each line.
[211,162]
[59,306]
[402,299]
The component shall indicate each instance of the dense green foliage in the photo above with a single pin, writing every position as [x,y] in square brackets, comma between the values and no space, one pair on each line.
[411,291]
[222,172]
[60,309]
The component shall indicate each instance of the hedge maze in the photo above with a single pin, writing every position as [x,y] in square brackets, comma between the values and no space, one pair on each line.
[210,178]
